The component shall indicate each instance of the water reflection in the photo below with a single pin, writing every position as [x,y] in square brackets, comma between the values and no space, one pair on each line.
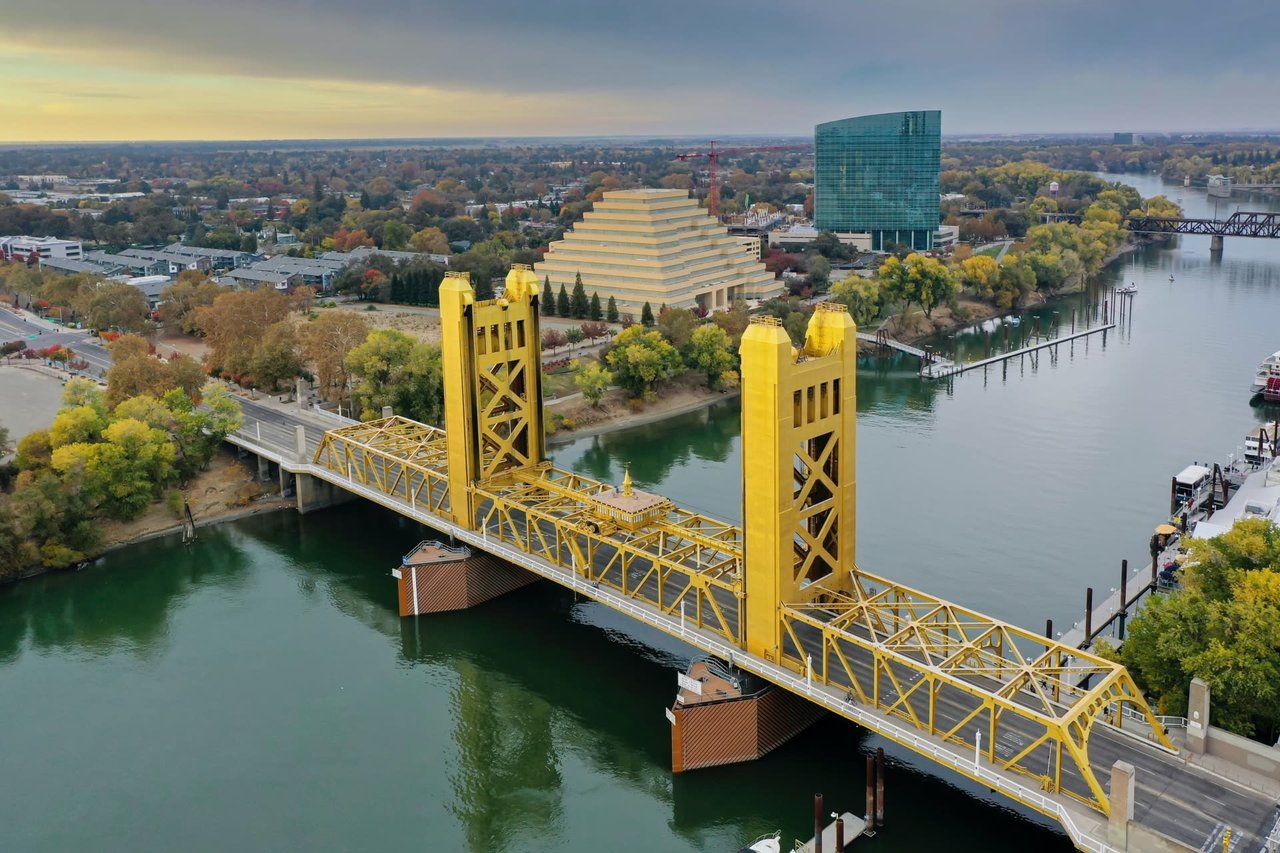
[112,607]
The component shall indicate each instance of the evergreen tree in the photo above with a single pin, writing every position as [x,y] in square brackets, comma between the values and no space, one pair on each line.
[611,313]
[562,302]
[484,288]
[646,316]
[397,288]
[578,305]
[548,301]
[595,312]
[364,199]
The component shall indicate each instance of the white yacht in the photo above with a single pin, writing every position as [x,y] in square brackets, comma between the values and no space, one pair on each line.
[1269,369]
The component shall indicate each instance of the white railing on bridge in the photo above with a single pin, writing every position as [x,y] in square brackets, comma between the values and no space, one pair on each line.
[336,418]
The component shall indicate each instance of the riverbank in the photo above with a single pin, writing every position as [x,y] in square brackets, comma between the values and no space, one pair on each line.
[616,411]
[225,491]
[914,327]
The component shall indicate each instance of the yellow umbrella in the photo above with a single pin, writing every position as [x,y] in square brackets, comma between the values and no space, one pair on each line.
[1166,529]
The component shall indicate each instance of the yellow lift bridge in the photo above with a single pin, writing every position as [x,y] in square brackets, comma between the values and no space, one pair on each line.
[785,586]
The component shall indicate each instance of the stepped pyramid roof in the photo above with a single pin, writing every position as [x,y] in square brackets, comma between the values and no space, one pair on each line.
[656,246]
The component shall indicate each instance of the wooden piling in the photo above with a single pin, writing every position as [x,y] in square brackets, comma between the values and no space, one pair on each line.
[880,786]
[871,791]
[1048,629]
[817,823]
[1088,614]
[839,835]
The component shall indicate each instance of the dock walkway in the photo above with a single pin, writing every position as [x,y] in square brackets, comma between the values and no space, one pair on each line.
[934,366]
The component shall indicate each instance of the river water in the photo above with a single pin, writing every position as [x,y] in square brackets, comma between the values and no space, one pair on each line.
[258,690]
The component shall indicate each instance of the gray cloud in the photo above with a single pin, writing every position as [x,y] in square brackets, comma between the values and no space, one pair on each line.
[720,66]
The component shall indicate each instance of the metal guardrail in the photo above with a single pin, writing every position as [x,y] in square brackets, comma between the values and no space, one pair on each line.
[333,416]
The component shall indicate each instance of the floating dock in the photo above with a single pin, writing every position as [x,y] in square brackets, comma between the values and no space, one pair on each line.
[853,827]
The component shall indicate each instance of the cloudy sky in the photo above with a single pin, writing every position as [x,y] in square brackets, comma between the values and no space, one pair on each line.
[248,69]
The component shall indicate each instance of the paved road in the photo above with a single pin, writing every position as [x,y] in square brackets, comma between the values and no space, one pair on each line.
[38,334]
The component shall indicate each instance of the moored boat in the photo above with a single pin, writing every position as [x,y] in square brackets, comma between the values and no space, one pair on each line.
[1268,369]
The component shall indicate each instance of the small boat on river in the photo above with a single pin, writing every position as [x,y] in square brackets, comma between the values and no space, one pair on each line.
[1129,288]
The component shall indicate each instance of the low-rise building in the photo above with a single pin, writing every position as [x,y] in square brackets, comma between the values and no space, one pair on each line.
[254,279]
[66,266]
[43,248]
[131,264]
[219,259]
[176,263]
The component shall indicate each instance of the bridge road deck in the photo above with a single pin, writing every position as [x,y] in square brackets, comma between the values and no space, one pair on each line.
[686,589]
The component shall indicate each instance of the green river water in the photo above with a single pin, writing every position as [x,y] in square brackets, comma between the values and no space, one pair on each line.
[258,691]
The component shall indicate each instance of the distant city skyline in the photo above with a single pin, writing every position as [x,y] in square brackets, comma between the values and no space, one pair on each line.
[78,70]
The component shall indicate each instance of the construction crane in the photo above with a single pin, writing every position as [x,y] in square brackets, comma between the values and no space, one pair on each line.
[713,162]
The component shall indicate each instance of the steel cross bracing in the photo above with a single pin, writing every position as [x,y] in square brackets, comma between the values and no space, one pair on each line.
[966,678]
[1240,224]
[944,669]
[397,456]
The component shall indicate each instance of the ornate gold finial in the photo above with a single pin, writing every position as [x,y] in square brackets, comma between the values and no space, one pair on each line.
[626,482]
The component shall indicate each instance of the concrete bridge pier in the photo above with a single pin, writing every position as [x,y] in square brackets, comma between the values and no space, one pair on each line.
[1215,244]
[311,493]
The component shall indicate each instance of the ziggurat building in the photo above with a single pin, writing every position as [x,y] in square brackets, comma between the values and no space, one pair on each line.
[660,247]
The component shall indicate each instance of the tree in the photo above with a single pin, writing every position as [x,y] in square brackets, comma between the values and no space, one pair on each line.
[180,301]
[1016,281]
[593,329]
[579,306]
[711,351]
[574,336]
[1220,627]
[325,343]
[592,380]
[611,312]
[734,321]
[919,279]
[677,325]
[864,297]
[553,339]
[595,312]
[640,359]
[395,236]
[980,274]
[548,301]
[275,358]
[562,303]
[234,323]
[115,305]
[430,240]
[819,273]
[392,369]
[646,316]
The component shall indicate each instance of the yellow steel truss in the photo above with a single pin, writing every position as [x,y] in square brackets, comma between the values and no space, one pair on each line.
[1030,703]
[396,456]
[956,674]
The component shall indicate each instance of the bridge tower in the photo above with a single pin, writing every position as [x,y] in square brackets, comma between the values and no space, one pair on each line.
[799,441]
[492,364]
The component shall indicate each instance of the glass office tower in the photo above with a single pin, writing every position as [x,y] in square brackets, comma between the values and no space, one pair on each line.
[879,174]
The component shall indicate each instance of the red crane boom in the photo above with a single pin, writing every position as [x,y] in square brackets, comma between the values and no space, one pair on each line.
[713,162]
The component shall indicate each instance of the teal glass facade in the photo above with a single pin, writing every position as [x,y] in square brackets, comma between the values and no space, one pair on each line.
[879,174]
